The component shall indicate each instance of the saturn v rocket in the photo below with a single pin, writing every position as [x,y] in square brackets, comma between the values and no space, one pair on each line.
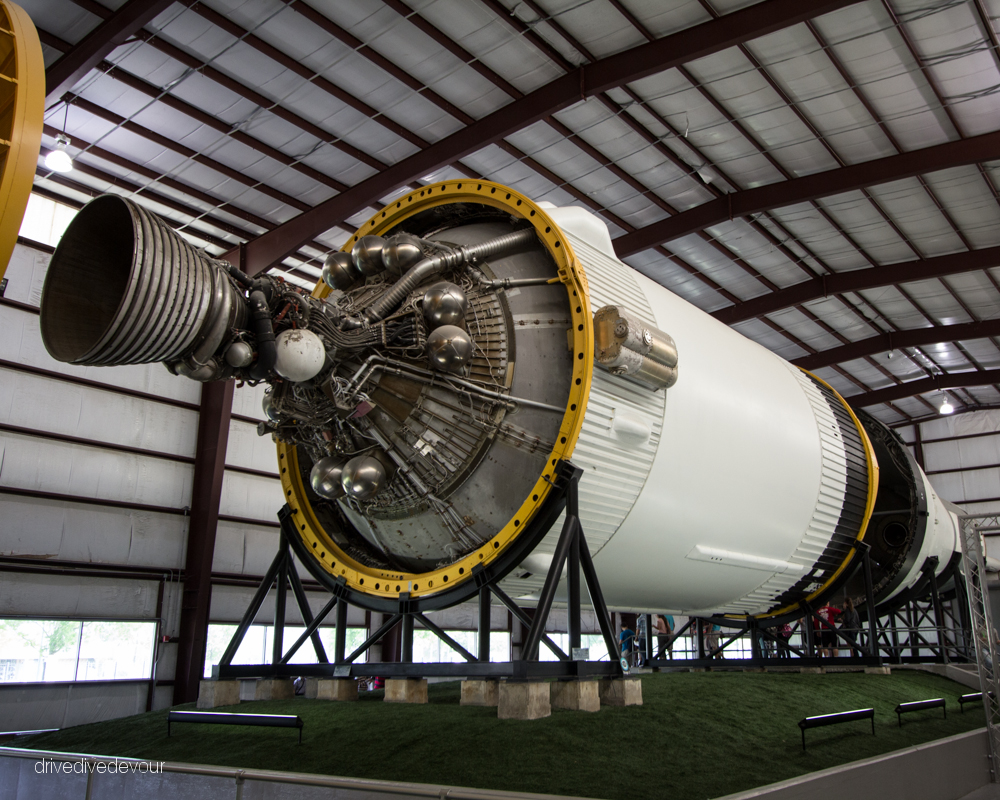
[464,343]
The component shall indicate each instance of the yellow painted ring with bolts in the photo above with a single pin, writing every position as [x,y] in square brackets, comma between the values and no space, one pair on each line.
[22,89]
[873,475]
[388,584]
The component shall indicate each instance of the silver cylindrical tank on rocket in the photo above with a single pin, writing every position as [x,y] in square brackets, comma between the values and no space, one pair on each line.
[468,342]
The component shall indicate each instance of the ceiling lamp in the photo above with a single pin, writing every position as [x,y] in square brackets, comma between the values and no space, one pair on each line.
[946,407]
[58,159]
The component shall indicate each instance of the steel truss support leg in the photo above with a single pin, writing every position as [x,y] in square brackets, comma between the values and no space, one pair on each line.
[484,623]
[931,568]
[873,648]
[572,545]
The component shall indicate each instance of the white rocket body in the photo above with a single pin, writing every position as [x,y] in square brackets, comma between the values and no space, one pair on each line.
[721,492]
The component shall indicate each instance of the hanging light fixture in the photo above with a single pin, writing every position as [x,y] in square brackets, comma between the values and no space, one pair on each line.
[58,160]
[946,407]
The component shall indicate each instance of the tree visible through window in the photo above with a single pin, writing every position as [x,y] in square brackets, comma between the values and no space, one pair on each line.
[47,650]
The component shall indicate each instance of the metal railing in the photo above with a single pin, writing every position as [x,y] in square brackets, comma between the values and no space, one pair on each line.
[90,766]
[983,633]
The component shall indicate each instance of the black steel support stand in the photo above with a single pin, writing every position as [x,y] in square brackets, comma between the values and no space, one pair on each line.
[930,568]
[571,552]
[873,648]
[484,624]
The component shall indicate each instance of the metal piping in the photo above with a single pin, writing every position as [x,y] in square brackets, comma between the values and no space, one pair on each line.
[418,273]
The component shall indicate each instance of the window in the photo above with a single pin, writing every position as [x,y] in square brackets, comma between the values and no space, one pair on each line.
[47,650]
[598,649]
[259,639]
[45,220]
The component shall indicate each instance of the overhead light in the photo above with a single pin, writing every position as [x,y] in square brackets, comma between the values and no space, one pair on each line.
[946,407]
[58,159]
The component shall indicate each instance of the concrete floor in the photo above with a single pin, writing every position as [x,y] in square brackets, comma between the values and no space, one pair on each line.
[990,791]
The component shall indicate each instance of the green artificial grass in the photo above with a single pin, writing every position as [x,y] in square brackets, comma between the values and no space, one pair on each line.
[697,735]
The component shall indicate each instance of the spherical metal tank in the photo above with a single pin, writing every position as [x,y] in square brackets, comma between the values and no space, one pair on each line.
[445,304]
[449,349]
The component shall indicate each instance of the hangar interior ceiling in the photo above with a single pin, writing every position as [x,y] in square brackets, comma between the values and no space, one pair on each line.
[822,176]
[232,118]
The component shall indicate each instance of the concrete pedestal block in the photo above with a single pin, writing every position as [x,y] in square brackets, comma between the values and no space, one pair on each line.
[576,695]
[406,690]
[212,694]
[878,671]
[813,670]
[312,686]
[524,701]
[336,689]
[620,691]
[274,689]
[480,693]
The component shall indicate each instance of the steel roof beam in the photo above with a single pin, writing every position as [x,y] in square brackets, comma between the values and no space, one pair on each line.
[894,340]
[860,279]
[92,49]
[800,190]
[588,80]
[939,383]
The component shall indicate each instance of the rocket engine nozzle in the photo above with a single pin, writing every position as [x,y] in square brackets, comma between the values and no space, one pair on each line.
[123,288]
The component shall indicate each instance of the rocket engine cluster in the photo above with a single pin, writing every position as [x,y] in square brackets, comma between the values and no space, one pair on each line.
[464,342]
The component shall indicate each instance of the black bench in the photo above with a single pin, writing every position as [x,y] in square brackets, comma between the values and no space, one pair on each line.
[834,719]
[219,718]
[919,705]
[972,697]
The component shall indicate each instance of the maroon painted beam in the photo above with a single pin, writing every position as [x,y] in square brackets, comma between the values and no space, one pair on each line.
[92,49]
[973,150]
[209,468]
[858,280]
[588,80]
[939,383]
[893,340]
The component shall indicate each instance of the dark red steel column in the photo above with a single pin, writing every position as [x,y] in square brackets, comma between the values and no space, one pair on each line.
[209,467]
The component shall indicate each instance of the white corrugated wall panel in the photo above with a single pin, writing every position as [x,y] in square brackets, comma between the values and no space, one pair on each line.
[247,449]
[21,343]
[51,405]
[251,497]
[36,528]
[82,471]
[57,596]
[39,706]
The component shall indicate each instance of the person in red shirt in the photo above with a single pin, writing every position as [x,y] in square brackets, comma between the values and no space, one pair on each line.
[826,635]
